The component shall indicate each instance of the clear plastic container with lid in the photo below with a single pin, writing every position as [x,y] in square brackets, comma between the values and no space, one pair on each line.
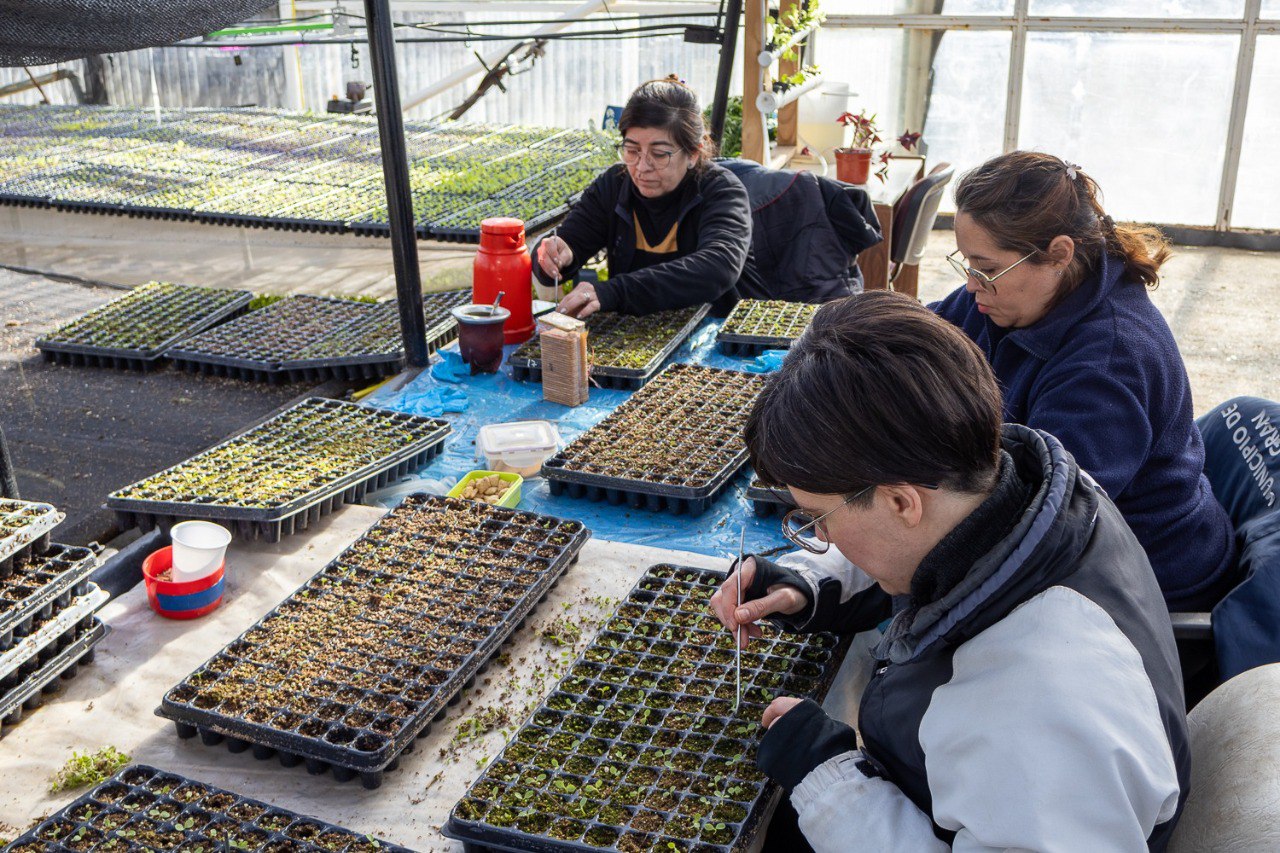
[519,446]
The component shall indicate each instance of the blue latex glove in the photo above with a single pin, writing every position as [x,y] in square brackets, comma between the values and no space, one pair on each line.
[450,367]
[431,402]
[767,362]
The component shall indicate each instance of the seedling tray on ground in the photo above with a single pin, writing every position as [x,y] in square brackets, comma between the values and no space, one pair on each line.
[766,502]
[280,476]
[39,584]
[625,351]
[24,527]
[43,641]
[638,748]
[143,808]
[347,671]
[134,331]
[756,325]
[41,676]
[674,445]
[313,338]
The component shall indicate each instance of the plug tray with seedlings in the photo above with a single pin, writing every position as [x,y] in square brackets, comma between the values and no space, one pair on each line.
[766,501]
[625,351]
[134,331]
[358,662]
[638,747]
[280,476]
[674,445]
[313,338]
[42,675]
[39,584]
[756,325]
[24,528]
[143,808]
[49,635]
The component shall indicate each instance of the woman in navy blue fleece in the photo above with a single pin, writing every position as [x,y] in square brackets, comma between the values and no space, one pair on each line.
[1055,295]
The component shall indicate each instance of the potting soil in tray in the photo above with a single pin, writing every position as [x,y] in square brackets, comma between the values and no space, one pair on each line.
[309,338]
[755,325]
[134,330]
[42,675]
[675,444]
[278,477]
[625,351]
[638,748]
[24,526]
[42,642]
[39,584]
[357,662]
[766,501]
[143,808]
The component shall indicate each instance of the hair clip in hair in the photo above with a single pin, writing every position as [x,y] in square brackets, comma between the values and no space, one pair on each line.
[1073,170]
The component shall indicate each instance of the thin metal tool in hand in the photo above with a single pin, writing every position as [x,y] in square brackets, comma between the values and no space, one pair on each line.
[554,262]
[737,645]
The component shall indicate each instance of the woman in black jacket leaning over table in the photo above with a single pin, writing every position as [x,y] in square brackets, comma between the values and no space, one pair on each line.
[676,227]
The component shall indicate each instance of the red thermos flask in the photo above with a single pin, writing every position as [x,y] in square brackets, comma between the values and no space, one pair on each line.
[503,263]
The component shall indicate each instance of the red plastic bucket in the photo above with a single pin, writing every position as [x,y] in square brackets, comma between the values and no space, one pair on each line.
[187,600]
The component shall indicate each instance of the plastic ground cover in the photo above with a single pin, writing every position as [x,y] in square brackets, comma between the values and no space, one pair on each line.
[498,398]
[639,747]
[360,660]
[143,807]
[278,477]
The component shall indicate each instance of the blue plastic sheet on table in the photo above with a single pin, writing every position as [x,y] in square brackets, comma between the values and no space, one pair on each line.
[497,398]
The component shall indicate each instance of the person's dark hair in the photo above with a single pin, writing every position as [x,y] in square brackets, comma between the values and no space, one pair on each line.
[1026,198]
[878,390]
[671,106]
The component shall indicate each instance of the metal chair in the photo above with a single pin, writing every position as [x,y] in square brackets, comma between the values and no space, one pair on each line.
[916,214]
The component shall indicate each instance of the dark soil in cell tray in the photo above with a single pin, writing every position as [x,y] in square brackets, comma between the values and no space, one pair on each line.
[674,445]
[40,583]
[41,676]
[757,325]
[625,351]
[355,664]
[638,747]
[143,808]
[285,473]
[50,632]
[766,501]
[24,527]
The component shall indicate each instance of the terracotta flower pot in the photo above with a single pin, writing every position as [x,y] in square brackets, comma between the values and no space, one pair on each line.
[853,165]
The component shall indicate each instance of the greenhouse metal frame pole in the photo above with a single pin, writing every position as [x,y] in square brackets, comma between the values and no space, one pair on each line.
[395,170]
[728,47]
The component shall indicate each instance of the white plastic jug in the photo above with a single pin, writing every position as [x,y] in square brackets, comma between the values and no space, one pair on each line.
[199,547]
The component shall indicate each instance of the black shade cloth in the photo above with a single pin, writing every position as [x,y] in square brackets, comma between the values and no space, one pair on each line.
[40,32]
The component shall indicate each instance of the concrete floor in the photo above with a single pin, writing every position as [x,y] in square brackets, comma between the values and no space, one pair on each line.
[1219,302]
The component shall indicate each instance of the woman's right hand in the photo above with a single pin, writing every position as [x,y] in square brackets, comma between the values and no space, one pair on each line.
[554,255]
[779,598]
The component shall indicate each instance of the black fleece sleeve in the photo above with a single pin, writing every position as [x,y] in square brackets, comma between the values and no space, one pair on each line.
[862,611]
[585,229]
[799,741]
[703,275]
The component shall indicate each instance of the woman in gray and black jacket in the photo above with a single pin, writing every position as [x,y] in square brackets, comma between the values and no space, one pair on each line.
[1027,692]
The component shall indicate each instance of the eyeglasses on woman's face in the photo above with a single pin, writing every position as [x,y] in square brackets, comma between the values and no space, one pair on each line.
[986,283]
[658,158]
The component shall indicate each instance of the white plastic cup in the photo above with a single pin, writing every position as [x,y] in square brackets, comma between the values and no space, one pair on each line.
[199,547]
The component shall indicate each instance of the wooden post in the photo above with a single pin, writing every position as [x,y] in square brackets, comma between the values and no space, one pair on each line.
[788,116]
[755,142]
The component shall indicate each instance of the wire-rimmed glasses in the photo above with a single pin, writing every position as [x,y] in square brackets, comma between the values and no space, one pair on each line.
[985,282]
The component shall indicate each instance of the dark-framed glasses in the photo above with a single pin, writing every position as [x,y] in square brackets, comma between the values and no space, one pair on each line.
[985,282]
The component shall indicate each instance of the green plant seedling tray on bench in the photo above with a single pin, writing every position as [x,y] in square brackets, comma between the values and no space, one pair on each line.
[358,662]
[638,748]
[614,337]
[134,331]
[766,501]
[24,527]
[287,471]
[175,813]
[66,655]
[39,584]
[756,325]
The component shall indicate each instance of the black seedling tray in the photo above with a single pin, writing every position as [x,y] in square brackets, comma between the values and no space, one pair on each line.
[638,747]
[273,446]
[27,524]
[700,432]
[358,662]
[751,314]
[50,633]
[40,675]
[766,502]
[676,327]
[144,808]
[40,584]
[198,309]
